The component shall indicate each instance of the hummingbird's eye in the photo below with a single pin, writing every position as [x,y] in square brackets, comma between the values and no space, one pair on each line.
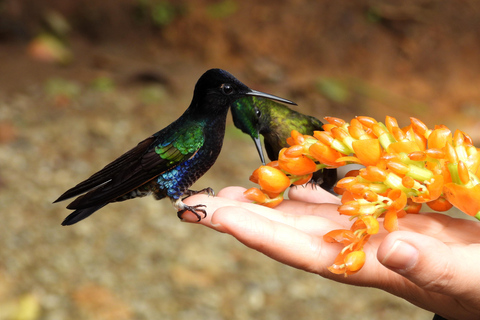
[227,89]
[258,113]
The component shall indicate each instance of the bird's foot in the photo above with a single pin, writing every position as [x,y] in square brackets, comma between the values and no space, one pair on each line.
[209,191]
[196,209]
[313,184]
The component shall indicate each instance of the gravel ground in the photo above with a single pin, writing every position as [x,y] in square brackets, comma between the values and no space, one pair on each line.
[135,260]
[60,124]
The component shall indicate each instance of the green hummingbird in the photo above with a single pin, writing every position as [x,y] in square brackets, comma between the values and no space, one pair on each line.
[167,163]
[275,122]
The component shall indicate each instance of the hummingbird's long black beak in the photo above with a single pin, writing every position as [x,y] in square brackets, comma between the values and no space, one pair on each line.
[258,144]
[268,96]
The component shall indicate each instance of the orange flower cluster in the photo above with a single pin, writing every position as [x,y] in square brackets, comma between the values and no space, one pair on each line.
[404,168]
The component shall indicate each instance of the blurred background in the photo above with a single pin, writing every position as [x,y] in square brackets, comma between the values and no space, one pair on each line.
[83,81]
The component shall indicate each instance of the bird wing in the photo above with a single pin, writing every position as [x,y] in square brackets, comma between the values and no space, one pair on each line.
[136,167]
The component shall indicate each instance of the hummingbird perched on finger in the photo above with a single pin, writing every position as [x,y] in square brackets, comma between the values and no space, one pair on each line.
[275,122]
[167,163]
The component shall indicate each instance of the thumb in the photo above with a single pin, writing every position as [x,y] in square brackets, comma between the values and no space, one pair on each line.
[433,265]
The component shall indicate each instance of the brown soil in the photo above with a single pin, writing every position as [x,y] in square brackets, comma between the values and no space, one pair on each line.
[135,260]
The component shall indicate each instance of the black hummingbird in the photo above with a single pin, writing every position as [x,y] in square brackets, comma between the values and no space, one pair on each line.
[167,163]
[275,122]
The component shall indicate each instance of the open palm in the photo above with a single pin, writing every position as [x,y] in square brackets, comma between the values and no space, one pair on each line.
[432,261]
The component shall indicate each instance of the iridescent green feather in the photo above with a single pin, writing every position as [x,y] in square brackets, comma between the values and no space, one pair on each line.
[186,143]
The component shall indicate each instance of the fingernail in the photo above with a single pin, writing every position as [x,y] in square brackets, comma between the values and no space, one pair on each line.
[213,224]
[402,256]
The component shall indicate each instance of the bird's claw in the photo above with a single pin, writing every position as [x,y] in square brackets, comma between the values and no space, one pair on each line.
[194,210]
[209,191]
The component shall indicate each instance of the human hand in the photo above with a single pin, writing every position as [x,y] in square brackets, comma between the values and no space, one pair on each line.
[432,261]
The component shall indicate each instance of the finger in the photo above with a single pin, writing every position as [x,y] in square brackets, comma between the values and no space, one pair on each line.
[299,207]
[234,193]
[434,266]
[312,193]
[277,240]
[310,223]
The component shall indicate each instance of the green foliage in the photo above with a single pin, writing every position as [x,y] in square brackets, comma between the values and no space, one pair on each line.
[373,15]
[152,94]
[333,89]
[222,9]
[159,13]
[61,87]
[103,83]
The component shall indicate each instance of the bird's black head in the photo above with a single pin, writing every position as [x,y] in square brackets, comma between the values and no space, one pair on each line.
[217,89]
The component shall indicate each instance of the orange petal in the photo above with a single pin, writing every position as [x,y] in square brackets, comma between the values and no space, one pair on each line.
[351,208]
[270,194]
[458,138]
[339,133]
[408,182]
[440,204]
[358,188]
[354,261]
[324,137]
[254,176]
[412,135]
[378,130]
[341,236]
[468,140]
[291,141]
[451,155]
[368,151]
[366,121]
[297,137]
[272,203]
[403,146]
[304,179]
[373,173]
[390,123]
[463,172]
[324,154]
[272,180]
[417,156]
[435,153]
[273,164]
[418,126]
[336,121]
[294,151]
[371,223]
[255,194]
[398,167]
[439,138]
[390,223]
[465,199]
[346,182]
[356,132]
[348,197]
[355,123]
[348,159]
[413,207]
[327,127]
[398,134]
[399,199]
[435,188]
[297,166]
[370,196]
[338,267]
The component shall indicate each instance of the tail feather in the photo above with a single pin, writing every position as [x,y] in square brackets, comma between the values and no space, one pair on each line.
[80,214]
